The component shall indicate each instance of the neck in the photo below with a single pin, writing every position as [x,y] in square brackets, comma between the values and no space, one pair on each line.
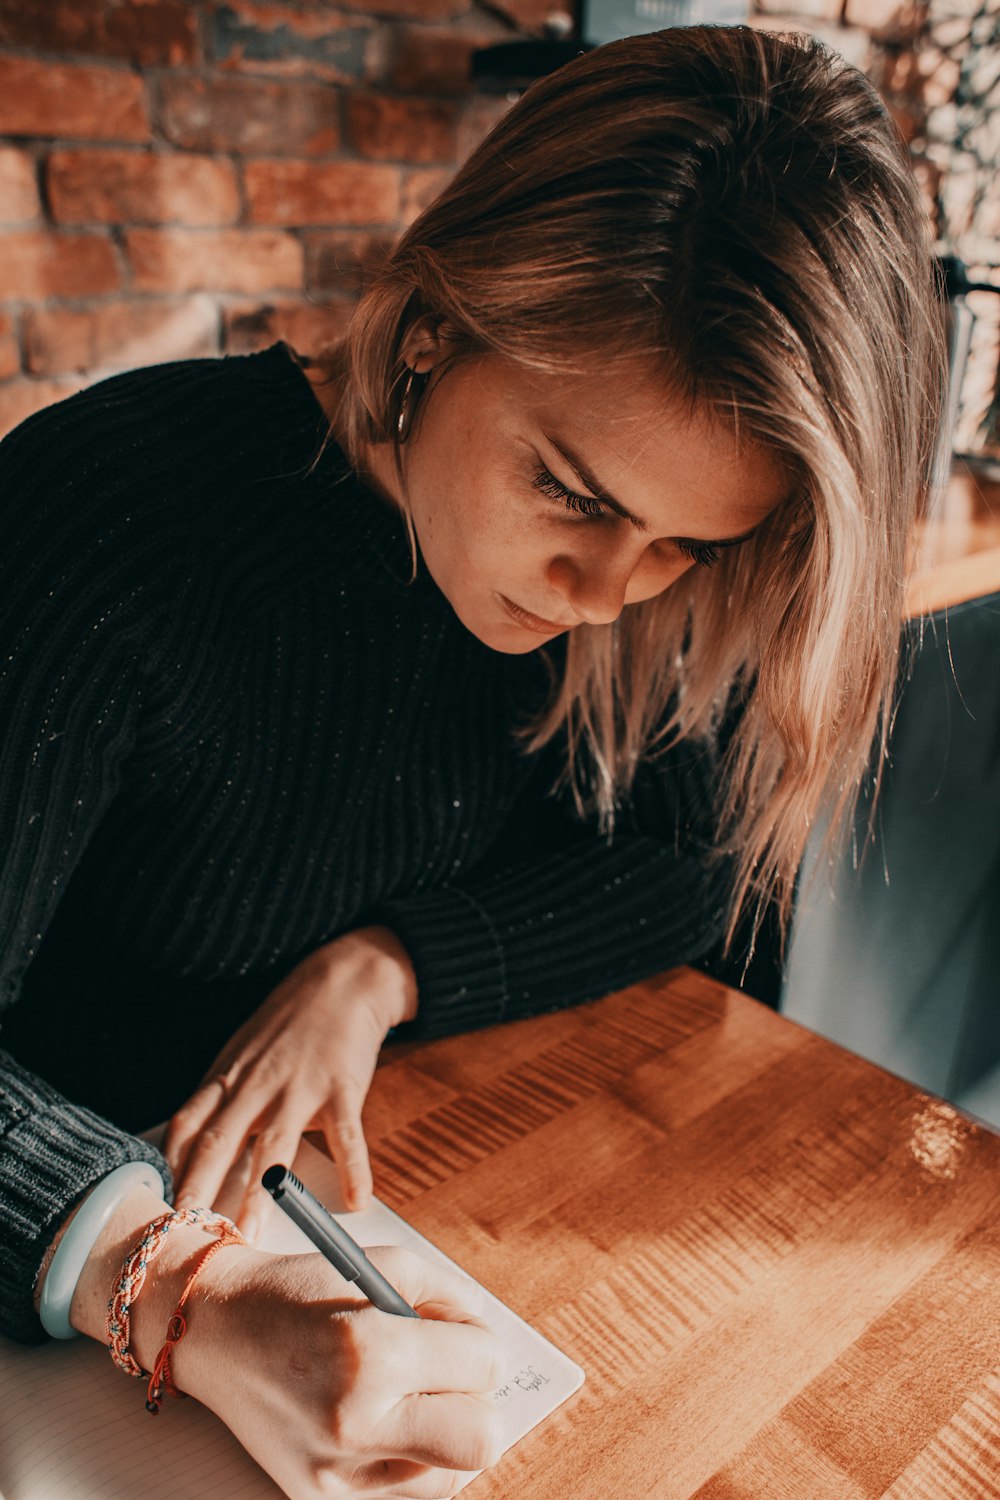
[376,466]
[379,471]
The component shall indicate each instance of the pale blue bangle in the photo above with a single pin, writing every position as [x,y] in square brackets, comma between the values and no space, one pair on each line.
[81,1236]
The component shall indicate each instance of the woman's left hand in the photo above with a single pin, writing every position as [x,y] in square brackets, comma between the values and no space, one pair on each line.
[303,1061]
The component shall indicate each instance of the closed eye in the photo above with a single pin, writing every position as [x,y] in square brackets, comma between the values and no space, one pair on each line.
[704,554]
[547,484]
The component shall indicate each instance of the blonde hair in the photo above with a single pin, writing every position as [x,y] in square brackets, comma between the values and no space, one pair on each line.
[738,208]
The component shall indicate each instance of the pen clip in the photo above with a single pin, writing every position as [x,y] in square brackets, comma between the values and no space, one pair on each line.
[340,1262]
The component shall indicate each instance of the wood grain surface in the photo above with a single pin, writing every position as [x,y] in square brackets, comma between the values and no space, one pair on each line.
[778,1265]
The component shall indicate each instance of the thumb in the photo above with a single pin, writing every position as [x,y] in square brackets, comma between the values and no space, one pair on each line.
[440,1292]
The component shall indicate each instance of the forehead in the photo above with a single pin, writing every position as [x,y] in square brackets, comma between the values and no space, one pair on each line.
[652,446]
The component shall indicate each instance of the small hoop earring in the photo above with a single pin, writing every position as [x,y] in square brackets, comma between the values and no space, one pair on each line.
[408,405]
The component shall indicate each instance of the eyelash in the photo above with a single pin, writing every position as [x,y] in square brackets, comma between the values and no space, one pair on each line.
[586,505]
[702,554]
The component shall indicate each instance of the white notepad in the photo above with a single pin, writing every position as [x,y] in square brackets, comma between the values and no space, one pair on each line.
[73,1428]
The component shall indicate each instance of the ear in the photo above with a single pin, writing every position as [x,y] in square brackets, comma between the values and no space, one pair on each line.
[425,344]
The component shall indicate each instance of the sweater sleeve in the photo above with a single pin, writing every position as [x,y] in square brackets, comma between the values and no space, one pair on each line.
[73,618]
[559,915]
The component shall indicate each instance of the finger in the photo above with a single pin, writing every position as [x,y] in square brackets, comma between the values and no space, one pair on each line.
[277,1142]
[450,1431]
[345,1141]
[189,1120]
[398,1479]
[239,1178]
[440,1292]
[214,1150]
[430,1358]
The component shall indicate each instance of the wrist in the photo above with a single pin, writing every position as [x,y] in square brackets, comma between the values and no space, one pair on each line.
[182,1312]
[153,1307]
[384,969]
[67,1256]
[398,986]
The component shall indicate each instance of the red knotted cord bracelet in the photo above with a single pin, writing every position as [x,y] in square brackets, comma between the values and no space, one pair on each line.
[161,1378]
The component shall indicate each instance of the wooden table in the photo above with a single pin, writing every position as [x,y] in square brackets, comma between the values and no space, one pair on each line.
[778,1265]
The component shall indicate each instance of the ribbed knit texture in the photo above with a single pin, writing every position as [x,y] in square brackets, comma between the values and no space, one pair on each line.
[233,730]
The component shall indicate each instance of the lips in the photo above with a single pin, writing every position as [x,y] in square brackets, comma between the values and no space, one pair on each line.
[529,621]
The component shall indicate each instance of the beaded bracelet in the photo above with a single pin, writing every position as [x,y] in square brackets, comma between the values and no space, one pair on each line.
[129,1281]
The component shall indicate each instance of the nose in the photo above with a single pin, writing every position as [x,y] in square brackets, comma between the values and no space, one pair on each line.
[597,588]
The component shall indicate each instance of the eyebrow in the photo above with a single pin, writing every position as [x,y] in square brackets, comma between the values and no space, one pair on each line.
[588,478]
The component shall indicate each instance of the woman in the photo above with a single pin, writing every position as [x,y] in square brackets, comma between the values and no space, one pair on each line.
[653,386]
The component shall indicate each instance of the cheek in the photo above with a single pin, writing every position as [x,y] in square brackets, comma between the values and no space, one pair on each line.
[654,575]
[480,520]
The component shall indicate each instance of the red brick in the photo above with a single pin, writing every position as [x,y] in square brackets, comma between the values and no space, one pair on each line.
[288,40]
[119,335]
[19,399]
[138,187]
[885,18]
[478,118]
[10,354]
[410,10]
[235,114]
[340,264]
[225,260]
[531,15]
[421,187]
[97,104]
[149,33]
[37,263]
[303,192]
[386,129]
[307,326]
[18,193]
[432,60]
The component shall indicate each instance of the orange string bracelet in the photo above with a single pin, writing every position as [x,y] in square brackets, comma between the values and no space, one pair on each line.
[129,1281]
[161,1378]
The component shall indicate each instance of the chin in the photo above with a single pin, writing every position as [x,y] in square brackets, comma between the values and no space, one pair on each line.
[508,640]
[512,642]
[519,648]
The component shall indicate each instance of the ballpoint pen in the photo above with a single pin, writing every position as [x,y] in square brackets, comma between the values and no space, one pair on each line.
[332,1240]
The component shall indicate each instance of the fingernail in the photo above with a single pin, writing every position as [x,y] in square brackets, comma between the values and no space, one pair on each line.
[250,1228]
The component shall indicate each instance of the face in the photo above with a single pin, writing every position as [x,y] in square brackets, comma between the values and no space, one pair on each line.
[542,502]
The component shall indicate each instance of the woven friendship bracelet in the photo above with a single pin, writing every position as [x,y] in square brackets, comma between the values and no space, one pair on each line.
[129,1281]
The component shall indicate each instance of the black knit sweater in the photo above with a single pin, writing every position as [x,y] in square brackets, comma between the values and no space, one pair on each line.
[232,729]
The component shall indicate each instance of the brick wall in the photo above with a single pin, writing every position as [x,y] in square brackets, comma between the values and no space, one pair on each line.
[961,145]
[182,177]
[937,65]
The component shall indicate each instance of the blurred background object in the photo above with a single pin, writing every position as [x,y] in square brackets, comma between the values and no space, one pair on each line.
[894,946]
[182,178]
[606,20]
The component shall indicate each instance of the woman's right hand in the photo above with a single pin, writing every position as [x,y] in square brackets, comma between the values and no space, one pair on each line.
[333,1397]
